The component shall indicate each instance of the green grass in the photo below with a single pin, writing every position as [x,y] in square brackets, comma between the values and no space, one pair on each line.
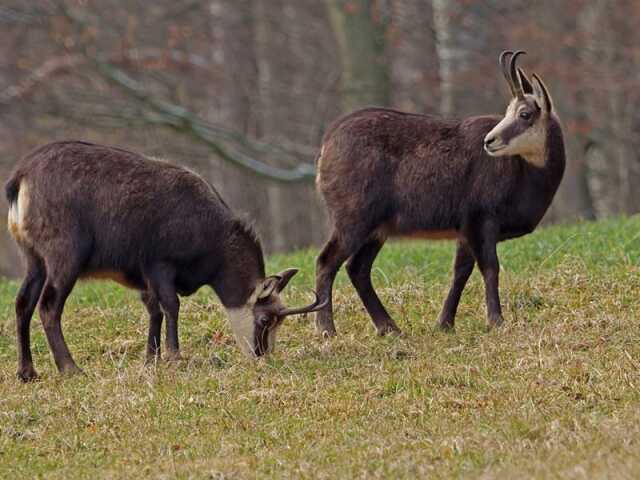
[553,394]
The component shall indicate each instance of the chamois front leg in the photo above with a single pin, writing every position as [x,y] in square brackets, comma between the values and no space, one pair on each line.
[161,283]
[462,268]
[484,247]
[155,326]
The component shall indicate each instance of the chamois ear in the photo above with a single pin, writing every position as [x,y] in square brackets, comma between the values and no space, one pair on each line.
[268,286]
[285,277]
[524,81]
[276,283]
[541,92]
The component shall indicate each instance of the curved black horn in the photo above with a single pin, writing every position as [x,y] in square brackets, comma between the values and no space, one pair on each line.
[514,75]
[505,70]
[313,307]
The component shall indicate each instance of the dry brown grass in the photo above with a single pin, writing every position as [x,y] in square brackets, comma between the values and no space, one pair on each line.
[553,394]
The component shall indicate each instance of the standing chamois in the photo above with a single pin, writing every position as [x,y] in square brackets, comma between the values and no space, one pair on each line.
[479,180]
[82,210]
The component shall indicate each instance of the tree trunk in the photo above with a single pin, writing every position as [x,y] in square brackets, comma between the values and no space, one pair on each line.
[612,158]
[460,33]
[293,211]
[413,57]
[360,27]
[233,98]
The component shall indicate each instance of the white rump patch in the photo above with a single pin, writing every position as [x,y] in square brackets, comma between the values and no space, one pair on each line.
[318,169]
[17,214]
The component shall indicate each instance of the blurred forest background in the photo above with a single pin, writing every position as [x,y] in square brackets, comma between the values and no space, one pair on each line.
[242,90]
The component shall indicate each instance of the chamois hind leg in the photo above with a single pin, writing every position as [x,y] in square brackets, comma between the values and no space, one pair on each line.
[331,258]
[462,268]
[155,325]
[62,273]
[26,302]
[160,279]
[359,269]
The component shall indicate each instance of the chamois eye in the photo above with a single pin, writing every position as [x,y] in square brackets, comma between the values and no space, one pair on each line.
[525,115]
[263,320]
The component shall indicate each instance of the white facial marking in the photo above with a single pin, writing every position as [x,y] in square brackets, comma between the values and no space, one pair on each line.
[242,323]
[243,328]
[530,144]
[272,339]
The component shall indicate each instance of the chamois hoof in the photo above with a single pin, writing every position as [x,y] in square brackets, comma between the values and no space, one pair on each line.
[71,371]
[152,360]
[325,327]
[174,357]
[495,322]
[445,324]
[390,329]
[27,374]
[327,333]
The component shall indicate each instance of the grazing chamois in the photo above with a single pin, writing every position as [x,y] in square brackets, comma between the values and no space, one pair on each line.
[479,180]
[80,210]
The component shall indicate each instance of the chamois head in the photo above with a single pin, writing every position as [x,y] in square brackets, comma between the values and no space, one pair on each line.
[255,324]
[523,129]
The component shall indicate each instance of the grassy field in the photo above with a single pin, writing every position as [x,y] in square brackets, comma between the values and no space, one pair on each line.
[553,394]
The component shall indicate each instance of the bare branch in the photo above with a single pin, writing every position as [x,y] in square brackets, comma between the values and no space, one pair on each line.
[182,120]
[47,70]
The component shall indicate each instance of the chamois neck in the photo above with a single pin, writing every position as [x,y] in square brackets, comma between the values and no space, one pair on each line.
[242,266]
[554,147]
[538,160]
[551,156]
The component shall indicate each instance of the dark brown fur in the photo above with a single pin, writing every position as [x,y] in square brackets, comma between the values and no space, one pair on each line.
[384,173]
[103,212]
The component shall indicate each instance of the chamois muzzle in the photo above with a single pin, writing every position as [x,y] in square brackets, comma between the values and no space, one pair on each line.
[493,144]
[264,337]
